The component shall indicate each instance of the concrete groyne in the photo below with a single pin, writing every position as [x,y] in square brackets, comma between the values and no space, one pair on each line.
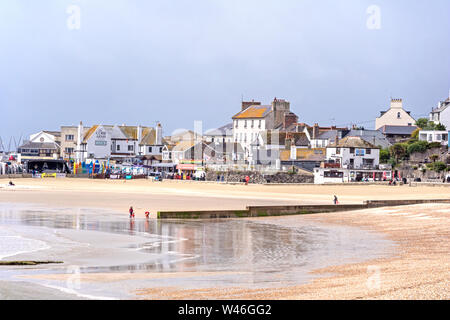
[266,211]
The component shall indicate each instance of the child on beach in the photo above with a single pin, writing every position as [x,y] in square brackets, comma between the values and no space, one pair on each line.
[335,200]
[131,212]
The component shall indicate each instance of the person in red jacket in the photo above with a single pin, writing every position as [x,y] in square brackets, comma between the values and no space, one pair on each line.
[131,212]
[247,179]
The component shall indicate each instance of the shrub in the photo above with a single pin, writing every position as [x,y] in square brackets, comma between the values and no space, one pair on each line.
[432,145]
[415,134]
[419,146]
[437,166]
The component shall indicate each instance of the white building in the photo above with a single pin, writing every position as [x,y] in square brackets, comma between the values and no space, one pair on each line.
[394,116]
[434,136]
[42,145]
[441,114]
[255,118]
[119,142]
[354,153]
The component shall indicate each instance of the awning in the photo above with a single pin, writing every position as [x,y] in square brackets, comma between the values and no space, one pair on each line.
[186,166]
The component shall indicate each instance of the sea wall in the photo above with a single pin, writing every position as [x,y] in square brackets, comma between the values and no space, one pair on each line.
[264,211]
[259,178]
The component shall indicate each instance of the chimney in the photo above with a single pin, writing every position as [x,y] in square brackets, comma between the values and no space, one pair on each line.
[396,104]
[289,119]
[79,137]
[315,130]
[246,104]
[158,134]
[139,134]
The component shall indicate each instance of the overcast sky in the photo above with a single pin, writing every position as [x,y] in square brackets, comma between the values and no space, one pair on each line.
[176,61]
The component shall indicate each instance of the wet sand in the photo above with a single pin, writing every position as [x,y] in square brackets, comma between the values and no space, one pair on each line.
[420,269]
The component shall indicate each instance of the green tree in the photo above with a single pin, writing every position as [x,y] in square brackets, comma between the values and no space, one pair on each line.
[398,151]
[425,124]
[422,123]
[384,155]
[440,127]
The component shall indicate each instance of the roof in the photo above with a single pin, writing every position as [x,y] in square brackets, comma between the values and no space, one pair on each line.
[38,145]
[183,145]
[374,137]
[388,129]
[255,111]
[130,132]
[224,147]
[148,137]
[221,131]
[442,106]
[270,137]
[90,132]
[53,133]
[353,142]
[311,154]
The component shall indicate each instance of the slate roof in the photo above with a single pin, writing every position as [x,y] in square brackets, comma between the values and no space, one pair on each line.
[400,130]
[226,130]
[39,145]
[374,137]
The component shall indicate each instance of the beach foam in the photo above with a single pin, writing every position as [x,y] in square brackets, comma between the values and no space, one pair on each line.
[12,244]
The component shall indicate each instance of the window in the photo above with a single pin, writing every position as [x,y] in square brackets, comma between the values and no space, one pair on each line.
[100,143]
[352,150]
[368,151]
[398,115]
[69,137]
[69,150]
[235,124]
[160,149]
[130,148]
[253,123]
[338,150]
[333,174]
[118,147]
[245,123]
[150,149]
[259,125]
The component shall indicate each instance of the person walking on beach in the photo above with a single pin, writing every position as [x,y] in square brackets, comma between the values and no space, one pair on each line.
[335,200]
[247,179]
[131,212]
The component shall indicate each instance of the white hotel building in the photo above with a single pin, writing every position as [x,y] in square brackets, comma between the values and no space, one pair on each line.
[255,118]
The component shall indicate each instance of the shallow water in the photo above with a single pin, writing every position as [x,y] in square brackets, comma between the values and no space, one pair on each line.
[239,252]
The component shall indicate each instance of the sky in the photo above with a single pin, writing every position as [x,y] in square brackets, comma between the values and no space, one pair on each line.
[176,61]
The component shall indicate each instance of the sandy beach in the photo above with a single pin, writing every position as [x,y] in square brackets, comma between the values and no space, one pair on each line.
[183,195]
[418,267]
